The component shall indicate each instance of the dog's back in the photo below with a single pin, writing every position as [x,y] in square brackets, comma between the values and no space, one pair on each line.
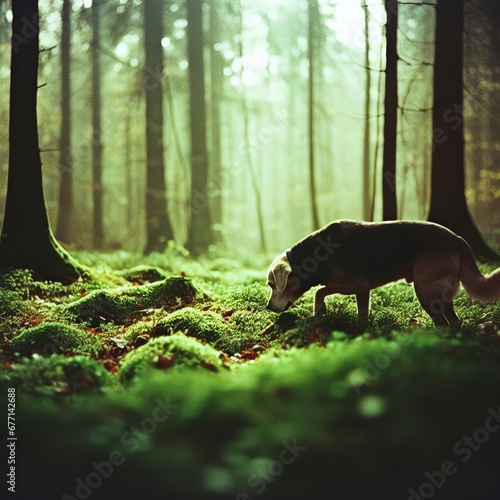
[379,252]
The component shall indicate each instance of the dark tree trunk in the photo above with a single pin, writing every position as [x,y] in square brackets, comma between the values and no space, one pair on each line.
[216,80]
[65,210]
[200,230]
[312,29]
[159,230]
[97,226]
[366,136]
[27,241]
[448,204]
[390,208]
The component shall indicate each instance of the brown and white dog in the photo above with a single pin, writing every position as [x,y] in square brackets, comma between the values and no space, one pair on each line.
[351,257]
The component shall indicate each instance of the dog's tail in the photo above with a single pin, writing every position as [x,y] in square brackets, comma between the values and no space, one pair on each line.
[478,286]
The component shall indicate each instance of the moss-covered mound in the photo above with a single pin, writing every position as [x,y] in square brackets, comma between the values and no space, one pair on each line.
[53,338]
[57,374]
[204,325]
[143,274]
[166,352]
[105,306]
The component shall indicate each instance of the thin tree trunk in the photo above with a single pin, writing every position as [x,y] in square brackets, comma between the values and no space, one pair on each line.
[129,172]
[367,136]
[390,209]
[65,209]
[159,230]
[97,225]
[246,135]
[216,77]
[200,229]
[448,204]
[313,26]
[26,241]
[376,154]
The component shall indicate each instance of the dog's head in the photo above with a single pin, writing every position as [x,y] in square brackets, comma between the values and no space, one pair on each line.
[286,286]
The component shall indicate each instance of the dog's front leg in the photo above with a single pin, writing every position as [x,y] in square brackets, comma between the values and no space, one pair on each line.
[319,300]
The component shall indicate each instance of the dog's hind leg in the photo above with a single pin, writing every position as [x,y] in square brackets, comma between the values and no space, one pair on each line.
[363,301]
[436,286]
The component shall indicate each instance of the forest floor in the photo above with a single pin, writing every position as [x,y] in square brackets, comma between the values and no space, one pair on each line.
[167,377]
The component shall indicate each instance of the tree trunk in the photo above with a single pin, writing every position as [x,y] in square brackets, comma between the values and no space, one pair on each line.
[390,208]
[97,226]
[27,241]
[200,229]
[366,137]
[216,80]
[159,230]
[313,26]
[448,204]
[65,209]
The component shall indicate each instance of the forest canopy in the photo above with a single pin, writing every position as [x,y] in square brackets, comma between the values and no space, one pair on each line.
[257,82]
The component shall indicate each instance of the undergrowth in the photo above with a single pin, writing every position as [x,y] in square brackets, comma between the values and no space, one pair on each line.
[93,359]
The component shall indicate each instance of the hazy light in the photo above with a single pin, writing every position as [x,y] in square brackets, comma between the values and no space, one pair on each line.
[179,34]
[121,50]
[8,16]
[165,42]
[180,23]
[183,64]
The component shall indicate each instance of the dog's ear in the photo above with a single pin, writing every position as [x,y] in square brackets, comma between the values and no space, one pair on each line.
[280,273]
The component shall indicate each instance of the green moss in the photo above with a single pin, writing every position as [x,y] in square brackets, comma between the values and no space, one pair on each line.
[245,329]
[177,350]
[10,303]
[53,338]
[18,280]
[57,374]
[139,333]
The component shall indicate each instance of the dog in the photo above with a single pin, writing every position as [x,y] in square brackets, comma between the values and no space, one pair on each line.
[352,257]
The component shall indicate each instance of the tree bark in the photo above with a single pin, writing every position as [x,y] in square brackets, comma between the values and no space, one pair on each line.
[65,209]
[27,241]
[448,203]
[97,226]
[200,230]
[216,80]
[312,49]
[159,230]
[390,207]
